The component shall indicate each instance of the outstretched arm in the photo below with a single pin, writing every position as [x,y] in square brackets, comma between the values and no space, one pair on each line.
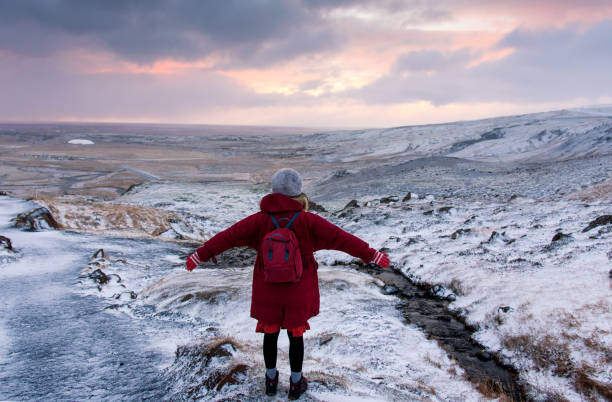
[330,237]
[243,233]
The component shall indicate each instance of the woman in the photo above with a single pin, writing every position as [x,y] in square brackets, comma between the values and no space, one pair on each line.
[286,305]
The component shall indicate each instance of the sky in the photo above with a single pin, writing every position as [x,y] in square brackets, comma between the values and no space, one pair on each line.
[309,63]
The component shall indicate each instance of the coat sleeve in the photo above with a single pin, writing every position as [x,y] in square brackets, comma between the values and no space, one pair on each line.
[327,236]
[241,234]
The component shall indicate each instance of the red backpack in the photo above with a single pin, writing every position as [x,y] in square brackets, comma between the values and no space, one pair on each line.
[280,251]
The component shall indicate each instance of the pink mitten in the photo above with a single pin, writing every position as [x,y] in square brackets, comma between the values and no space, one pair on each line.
[192,261]
[381,259]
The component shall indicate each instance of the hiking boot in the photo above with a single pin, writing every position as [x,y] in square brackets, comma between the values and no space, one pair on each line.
[298,388]
[271,385]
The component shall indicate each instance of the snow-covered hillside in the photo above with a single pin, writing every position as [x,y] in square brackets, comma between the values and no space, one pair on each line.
[508,220]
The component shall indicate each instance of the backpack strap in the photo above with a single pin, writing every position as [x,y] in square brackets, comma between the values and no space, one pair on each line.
[292,219]
[277,226]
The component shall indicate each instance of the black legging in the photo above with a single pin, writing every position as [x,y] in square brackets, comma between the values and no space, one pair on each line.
[296,351]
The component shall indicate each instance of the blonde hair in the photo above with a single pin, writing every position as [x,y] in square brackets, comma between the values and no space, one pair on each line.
[302,199]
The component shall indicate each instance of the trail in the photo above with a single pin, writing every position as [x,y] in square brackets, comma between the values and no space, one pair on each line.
[57,344]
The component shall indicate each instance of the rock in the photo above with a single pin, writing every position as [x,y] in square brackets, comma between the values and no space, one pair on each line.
[36,219]
[500,238]
[99,277]
[390,290]
[505,309]
[168,234]
[4,194]
[388,200]
[451,297]
[561,237]
[412,240]
[348,208]
[427,213]
[130,295]
[351,204]
[437,290]
[484,356]
[444,210]
[469,220]
[610,274]
[99,252]
[6,243]
[602,220]
[512,197]
[325,340]
[313,206]
[459,232]
[407,197]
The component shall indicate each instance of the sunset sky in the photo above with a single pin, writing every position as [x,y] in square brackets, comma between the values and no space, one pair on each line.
[315,63]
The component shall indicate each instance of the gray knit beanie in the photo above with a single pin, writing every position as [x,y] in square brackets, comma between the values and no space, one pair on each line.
[288,182]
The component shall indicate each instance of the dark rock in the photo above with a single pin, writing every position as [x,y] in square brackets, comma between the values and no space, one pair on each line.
[444,318]
[602,220]
[351,204]
[412,240]
[167,234]
[36,219]
[313,206]
[326,340]
[100,252]
[388,200]
[407,197]
[389,290]
[451,297]
[500,237]
[513,197]
[430,212]
[459,232]
[99,277]
[6,242]
[469,220]
[4,193]
[444,210]
[437,290]
[610,274]
[484,356]
[561,237]
[505,309]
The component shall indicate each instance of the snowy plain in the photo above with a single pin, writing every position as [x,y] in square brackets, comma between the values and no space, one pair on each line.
[487,198]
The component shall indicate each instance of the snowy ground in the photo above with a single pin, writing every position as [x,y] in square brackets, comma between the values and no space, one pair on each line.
[91,338]
[488,198]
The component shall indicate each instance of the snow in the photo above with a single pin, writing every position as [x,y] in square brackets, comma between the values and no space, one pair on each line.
[559,291]
[81,142]
[492,194]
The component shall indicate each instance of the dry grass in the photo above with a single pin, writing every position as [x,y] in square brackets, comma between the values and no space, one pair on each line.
[553,353]
[494,390]
[547,352]
[89,216]
[590,387]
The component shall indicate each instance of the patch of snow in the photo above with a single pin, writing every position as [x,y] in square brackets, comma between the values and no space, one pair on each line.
[81,142]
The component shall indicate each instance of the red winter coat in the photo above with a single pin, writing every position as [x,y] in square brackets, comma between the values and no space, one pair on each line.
[287,304]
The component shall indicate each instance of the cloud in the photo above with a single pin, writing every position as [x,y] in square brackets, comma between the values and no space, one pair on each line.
[546,65]
[145,31]
[46,91]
